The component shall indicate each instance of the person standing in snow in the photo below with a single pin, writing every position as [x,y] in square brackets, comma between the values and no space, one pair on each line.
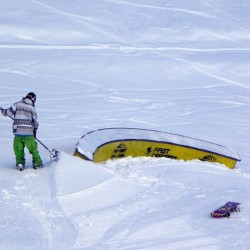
[24,128]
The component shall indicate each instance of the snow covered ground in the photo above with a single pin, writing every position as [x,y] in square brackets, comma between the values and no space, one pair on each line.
[177,66]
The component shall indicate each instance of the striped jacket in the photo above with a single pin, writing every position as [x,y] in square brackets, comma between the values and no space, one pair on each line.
[25,117]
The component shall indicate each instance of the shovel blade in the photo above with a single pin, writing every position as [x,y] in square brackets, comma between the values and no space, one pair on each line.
[54,155]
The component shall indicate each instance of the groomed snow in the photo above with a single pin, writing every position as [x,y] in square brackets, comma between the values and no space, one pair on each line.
[175,66]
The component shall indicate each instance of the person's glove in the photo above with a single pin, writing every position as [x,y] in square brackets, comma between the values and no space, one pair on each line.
[34,132]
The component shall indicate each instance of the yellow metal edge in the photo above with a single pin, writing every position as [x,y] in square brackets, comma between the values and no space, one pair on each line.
[77,154]
[136,148]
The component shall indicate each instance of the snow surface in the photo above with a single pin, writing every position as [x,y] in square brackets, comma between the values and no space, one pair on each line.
[177,66]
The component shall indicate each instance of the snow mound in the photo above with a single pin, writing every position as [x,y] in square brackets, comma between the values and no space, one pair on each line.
[74,175]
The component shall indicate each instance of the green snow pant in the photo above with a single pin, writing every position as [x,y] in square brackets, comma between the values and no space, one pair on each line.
[29,141]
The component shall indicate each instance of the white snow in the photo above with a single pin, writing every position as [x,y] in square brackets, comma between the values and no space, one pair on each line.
[176,66]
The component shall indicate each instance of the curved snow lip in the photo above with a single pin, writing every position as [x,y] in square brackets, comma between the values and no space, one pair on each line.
[73,175]
[93,140]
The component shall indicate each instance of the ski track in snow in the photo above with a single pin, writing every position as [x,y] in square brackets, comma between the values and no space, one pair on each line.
[79,19]
[186,11]
[149,203]
[125,49]
[232,20]
[214,73]
[219,15]
[41,221]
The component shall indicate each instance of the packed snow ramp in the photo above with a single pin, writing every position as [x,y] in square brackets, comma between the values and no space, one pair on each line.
[113,143]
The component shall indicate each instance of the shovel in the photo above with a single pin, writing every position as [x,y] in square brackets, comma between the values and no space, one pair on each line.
[53,153]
